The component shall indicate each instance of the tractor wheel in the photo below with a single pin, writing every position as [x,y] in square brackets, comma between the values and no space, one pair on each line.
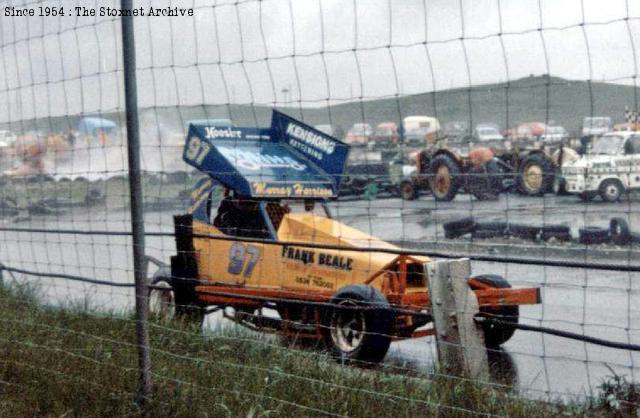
[498,334]
[536,175]
[485,183]
[358,325]
[408,191]
[445,182]
[611,190]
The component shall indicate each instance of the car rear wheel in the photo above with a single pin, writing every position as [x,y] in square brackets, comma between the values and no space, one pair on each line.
[496,334]
[359,324]
[167,301]
[162,299]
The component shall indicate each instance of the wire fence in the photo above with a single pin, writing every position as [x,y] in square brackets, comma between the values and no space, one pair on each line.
[505,133]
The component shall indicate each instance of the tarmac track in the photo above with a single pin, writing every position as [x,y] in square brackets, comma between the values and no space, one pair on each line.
[601,303]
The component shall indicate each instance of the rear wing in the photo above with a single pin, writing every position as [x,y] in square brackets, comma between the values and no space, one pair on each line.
[288,160]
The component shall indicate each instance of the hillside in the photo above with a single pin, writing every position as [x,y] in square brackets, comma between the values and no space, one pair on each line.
[532,98]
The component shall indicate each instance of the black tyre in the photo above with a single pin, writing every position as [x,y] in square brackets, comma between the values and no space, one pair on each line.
[458,228]
[619,231]
[408,191]
[535,176]
[524,231]
[611,190]
[557,232]
[587,196]
[486,234]
[167,303]
[445,180]
[497,334]
[556,228]
[162,299]
[558,236]
[358,326]
[499,227]
[593,235]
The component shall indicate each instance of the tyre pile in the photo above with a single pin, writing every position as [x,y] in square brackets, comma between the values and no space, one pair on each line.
[618,232]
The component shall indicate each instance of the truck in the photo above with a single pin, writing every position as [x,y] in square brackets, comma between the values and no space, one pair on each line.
[269,242]
[610,169]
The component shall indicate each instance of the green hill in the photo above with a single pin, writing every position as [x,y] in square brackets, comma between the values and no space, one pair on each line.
[534,98]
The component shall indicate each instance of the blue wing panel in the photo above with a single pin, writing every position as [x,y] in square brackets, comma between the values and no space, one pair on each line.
[264,163]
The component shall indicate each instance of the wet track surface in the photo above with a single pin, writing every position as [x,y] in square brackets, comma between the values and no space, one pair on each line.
[604,304]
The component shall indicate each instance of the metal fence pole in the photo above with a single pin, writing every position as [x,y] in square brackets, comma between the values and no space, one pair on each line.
[137,217]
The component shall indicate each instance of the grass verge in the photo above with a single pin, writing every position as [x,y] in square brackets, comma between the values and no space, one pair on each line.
[72,363]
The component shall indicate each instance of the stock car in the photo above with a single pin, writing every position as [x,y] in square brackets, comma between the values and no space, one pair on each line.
[272,245]
[611,168]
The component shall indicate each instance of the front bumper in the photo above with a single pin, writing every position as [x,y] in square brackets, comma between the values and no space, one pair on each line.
[580,183]
[574,184]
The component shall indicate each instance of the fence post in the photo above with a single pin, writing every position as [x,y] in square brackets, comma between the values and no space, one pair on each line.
[460,341]
[143,395]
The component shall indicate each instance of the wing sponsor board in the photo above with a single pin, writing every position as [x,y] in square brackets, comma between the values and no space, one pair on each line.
[268,162]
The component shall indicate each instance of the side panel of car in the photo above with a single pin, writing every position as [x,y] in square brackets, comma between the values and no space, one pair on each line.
[235,262]
[278,266]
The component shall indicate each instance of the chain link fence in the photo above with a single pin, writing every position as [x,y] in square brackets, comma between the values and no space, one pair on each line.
[295,168]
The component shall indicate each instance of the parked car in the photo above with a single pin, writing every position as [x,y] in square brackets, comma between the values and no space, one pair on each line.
[596,126]
[421,130]
[7,139]
[330,130]
[385,136]
[359,134]
[611,168]
[554,135]
[456,131]
[487,132]
[530,130]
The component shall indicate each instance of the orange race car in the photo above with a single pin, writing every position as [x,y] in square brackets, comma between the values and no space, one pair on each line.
[272,243]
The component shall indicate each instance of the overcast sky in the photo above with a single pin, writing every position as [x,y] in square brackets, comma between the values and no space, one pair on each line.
[316,52]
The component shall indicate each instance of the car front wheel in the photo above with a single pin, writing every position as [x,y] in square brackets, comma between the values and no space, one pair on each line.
[358,325]
[611,190]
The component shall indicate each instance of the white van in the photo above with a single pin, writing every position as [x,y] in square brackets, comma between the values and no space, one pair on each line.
[421,130]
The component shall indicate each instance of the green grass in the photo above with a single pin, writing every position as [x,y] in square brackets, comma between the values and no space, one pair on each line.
[68,363]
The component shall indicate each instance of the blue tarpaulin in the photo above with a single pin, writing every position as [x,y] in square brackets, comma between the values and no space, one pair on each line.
[91,125]
[288,160]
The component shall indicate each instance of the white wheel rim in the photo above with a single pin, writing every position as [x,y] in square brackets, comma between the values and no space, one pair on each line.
[162,301]
[612,191]
[348,328]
